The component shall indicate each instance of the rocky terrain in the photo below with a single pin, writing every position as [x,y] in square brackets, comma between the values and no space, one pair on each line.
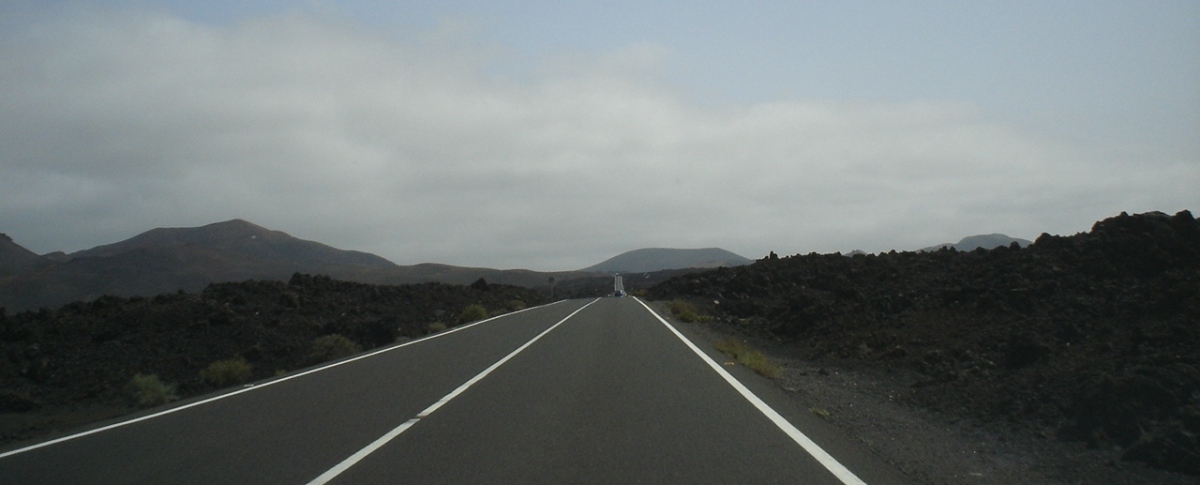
[1092,338]
[61,368]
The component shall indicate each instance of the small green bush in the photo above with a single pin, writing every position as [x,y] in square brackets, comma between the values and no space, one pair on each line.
[732,346]
[752,359]
[228,372]
[436,327]
[331,347]
[147,390]
[472,313]
[687,313]
[516,305]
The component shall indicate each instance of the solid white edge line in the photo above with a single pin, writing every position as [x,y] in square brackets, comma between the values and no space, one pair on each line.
[251,387]
[828,461]
[390,435]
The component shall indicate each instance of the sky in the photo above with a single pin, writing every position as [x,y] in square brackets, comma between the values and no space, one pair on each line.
[552,135]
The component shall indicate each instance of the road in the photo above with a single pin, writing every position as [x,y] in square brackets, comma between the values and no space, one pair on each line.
[581,391]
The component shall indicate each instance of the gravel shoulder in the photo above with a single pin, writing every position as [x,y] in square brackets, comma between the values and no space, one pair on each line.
[869,404]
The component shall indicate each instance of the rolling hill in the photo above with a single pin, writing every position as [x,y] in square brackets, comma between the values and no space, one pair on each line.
[15,259]
[658,259]
[167,260]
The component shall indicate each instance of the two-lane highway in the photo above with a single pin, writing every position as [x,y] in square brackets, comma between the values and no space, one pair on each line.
[596,391]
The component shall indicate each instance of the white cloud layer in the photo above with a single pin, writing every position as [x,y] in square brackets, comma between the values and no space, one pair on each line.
[112,123]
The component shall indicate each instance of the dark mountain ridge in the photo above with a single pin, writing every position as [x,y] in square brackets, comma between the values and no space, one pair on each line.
[170,259]
[15,259]
[167,260]
[238,239]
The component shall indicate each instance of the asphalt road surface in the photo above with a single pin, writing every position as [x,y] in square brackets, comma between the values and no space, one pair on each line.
[582,391]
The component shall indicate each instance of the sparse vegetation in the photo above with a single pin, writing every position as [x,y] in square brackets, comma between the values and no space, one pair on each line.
[687,312]
[228,372]
[147,390]
[516,305]
[331,347]
[752,359]
[472,313]
[436,327]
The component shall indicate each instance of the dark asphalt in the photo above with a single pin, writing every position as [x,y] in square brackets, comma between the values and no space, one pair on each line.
[610,396]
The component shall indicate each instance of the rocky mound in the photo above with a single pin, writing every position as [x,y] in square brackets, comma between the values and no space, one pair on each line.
[55,365]
[1093,337]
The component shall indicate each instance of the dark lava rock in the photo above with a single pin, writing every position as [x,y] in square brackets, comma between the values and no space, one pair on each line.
[1094,336]
[85,353]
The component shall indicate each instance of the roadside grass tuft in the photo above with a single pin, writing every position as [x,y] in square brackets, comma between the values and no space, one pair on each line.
[147,390]
[750,358]
[472,313]
[687,313]
[516,305]
[436,327]
[228,372]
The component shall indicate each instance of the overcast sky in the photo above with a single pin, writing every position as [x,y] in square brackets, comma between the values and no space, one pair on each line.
[552,135]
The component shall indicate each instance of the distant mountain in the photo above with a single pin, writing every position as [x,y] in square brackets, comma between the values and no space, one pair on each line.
[237,240]
[657,259]
[166,260]
[171,259]
[15,259]
[985,241]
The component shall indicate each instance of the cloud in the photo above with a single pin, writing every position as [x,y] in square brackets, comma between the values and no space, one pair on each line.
[112,123]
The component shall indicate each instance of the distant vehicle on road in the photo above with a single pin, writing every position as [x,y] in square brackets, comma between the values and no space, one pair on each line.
[618,286]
